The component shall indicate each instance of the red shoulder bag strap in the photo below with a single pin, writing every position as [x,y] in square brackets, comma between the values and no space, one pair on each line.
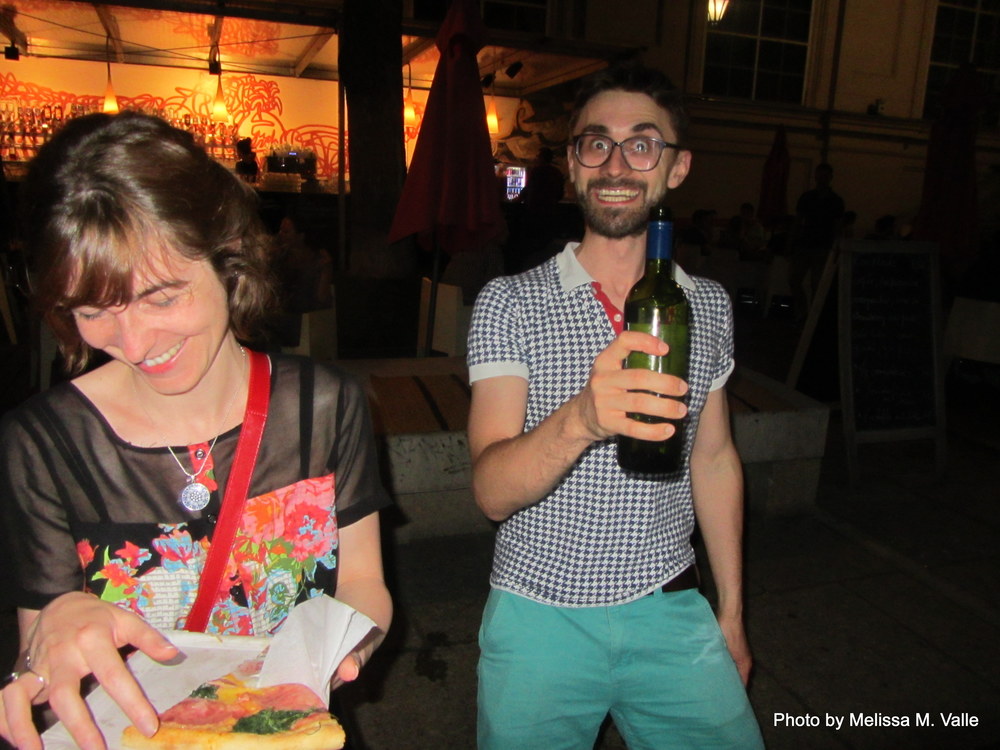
[235,496]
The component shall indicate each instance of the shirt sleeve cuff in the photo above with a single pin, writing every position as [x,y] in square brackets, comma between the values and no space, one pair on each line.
[496,369]
[722,378]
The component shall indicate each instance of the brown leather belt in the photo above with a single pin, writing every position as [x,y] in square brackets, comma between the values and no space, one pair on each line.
[686,579]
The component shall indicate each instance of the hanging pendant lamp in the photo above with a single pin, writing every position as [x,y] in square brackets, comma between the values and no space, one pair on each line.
[219,111]
[110,100]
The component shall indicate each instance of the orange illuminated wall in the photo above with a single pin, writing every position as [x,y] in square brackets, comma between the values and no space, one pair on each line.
[257,105]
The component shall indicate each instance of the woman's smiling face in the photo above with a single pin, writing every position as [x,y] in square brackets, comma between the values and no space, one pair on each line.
[172,328]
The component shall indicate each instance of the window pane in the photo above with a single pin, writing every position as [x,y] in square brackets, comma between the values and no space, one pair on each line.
[991,86]
[785,19]
[741,17]
[759,50]
[770,56]
[953,35]
[729,62]
[937,78]
[798,27]
[768,86]
[791,89]
[782,58]
[987,51]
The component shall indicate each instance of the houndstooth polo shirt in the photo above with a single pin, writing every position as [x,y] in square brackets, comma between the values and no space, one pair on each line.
[600,537]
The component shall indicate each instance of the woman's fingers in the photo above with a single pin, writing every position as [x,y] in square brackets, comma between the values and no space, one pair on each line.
[16,723]
[79,635]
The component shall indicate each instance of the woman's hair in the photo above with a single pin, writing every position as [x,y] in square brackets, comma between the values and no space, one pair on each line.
[108,192]
[635,78]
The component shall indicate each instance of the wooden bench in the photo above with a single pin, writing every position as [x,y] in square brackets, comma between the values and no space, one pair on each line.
[420,409]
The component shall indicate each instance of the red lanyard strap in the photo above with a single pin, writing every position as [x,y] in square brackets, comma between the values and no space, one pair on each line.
[235,495]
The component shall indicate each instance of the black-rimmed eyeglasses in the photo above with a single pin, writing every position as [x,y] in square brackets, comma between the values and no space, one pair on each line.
[641,152]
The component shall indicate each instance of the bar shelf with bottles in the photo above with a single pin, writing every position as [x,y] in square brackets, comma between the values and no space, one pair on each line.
[25,129]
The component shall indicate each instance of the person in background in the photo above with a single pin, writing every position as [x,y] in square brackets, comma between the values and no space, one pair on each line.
[819,215]
[538,226]
[701,230]
[848,225]
[780,236]
[594,604]
[152,254]
[246,163]
[544,184]
[747,234]
[885,228]
[305,268]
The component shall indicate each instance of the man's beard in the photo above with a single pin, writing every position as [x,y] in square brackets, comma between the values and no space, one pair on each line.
[614,222]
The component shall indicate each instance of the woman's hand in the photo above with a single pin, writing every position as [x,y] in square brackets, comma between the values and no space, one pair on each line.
[20,689]
[77,635]
[348,670]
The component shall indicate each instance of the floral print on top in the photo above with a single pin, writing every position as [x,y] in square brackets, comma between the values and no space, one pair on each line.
[285,552]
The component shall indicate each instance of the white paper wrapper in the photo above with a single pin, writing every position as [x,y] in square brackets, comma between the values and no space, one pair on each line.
[315,638]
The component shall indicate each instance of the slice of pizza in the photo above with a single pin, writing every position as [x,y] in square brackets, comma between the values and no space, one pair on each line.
[228,714]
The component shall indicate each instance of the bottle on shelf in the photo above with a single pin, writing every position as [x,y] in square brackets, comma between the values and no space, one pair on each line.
[657,305]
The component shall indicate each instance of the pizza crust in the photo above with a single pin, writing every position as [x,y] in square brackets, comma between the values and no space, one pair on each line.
[319,734]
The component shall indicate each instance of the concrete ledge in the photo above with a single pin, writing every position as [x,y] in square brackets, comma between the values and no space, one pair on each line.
[781,438]
[780,434]
[429,461]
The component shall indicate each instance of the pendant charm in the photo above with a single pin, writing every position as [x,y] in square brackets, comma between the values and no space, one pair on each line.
[195,496]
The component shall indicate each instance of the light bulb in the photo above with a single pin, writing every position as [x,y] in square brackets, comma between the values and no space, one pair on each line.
[219,111]
[492,121]
[110,100]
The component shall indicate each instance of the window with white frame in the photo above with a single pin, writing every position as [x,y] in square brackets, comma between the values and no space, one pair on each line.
[965,31]
[758,51]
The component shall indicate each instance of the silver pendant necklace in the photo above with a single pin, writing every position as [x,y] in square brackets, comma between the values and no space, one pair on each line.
[194,495]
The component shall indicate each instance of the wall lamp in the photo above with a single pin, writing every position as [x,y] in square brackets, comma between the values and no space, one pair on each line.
[716,10]
[11,52]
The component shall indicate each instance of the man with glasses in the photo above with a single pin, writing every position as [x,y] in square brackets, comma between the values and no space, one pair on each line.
[594,607]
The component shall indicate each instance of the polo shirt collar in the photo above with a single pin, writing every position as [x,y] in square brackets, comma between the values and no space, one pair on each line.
[572,273]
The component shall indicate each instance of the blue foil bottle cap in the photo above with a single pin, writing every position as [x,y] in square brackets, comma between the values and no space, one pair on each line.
[660,234]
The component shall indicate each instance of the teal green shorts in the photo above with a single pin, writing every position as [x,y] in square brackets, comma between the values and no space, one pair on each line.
[548,676]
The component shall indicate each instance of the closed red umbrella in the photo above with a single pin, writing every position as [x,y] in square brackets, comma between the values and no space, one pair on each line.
[450,198]
[773,203]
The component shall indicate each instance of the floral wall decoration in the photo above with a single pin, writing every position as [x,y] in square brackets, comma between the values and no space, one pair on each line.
[31,108]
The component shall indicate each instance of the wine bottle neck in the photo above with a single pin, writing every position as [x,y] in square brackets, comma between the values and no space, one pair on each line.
[659,265]
[659,240]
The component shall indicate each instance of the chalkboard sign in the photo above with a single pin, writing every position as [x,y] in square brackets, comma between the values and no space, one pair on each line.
[889,324]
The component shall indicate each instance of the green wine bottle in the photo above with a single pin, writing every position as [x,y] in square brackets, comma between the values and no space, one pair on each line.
[657,305]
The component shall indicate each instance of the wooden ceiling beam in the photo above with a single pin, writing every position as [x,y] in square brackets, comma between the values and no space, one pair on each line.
[416,48]
[110,24]
[316,43]
[215,30]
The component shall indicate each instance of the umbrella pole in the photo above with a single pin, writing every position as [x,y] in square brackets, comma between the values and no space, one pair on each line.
[432,301]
